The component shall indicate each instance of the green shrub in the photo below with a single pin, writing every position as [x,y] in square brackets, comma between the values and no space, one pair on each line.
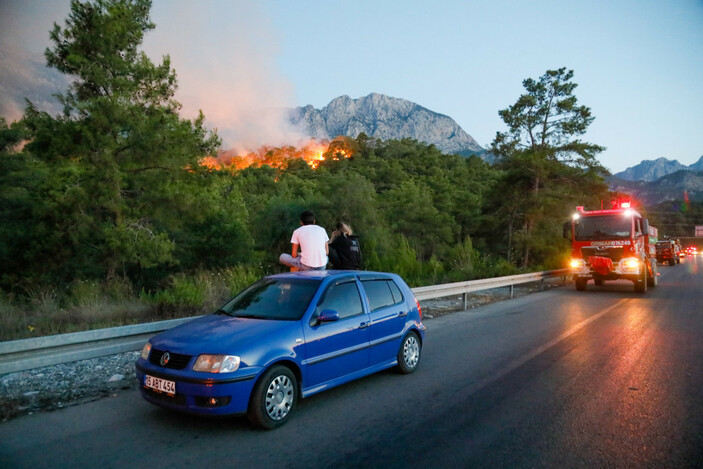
[83,293]
[237,278]
[184,293]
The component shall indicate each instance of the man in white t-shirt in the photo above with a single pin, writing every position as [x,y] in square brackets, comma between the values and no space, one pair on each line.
[310,247]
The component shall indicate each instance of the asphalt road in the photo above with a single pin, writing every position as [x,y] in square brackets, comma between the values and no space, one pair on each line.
[602,378]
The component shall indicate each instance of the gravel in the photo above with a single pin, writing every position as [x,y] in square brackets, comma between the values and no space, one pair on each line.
[59,386]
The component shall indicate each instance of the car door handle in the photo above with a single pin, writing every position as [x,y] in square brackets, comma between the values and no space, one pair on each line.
[363,325]
[402,314]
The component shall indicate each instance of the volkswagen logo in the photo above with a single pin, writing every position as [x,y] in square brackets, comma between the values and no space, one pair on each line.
[165,358]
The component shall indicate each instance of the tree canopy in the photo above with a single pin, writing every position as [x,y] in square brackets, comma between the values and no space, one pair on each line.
[115,177]
[546,168]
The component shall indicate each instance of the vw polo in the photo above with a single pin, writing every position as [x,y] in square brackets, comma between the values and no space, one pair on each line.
[286,337]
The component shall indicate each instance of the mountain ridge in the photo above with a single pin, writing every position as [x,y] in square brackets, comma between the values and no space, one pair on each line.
[679,185]
[651,170]
[384,117]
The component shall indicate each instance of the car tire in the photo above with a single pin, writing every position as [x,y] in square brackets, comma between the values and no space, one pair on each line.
[581,283]
[409,353]
[273,398]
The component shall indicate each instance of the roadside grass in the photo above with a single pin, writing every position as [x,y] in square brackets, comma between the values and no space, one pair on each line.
[86,305]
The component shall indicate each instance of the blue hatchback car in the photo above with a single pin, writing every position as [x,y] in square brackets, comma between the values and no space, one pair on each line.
[285,337]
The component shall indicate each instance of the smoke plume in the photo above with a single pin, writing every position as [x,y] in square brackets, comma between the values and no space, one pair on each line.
[224,55]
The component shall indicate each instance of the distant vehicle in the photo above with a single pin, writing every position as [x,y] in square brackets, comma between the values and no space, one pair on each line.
[667,251]
[285,337]
[612,244]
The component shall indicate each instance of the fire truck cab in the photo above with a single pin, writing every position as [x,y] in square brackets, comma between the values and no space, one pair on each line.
[612,244]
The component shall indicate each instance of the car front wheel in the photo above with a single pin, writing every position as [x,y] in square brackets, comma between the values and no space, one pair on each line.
[273,398]
[409,353]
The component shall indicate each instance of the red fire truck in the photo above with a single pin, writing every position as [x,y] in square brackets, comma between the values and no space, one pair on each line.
[668,251]
[612,244]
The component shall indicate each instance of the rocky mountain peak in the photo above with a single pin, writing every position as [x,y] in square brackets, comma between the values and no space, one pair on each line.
[698,165]
[651,170]
[384,117]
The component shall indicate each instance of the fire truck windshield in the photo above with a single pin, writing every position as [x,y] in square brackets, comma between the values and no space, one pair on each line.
[602,227]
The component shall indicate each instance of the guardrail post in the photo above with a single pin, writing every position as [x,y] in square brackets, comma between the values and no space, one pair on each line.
[512,288]
[465,298]
[541,285]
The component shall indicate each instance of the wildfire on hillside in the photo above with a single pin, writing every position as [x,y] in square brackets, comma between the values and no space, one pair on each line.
[312,152]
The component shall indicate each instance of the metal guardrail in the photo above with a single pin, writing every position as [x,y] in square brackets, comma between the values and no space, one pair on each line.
[26,354]
[464,288]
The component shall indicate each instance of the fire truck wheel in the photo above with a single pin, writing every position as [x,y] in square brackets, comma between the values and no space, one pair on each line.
[581,283]
[599,281]
[653,281]
[641,282]
[672,261]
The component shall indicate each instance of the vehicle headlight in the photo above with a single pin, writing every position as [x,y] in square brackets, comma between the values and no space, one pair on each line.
[216,363]
[577,263]
[631,263]
[145,350]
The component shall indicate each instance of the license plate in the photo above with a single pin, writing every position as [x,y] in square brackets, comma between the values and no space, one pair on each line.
[161,385]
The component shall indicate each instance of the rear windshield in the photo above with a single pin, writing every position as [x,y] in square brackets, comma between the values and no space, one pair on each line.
[268,298]
[602,227]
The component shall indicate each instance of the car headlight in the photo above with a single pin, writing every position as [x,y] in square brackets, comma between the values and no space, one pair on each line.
[145,350]
[577,263]
[216,363]
[631,263]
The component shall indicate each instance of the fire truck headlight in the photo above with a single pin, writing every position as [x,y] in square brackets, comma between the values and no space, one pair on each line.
[631,264]
[577,263]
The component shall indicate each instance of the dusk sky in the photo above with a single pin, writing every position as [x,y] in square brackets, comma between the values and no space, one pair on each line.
[638,64]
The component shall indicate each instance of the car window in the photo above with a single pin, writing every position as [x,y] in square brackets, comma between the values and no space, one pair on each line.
[397,295]
[273,299]
[379,293]
[343,298]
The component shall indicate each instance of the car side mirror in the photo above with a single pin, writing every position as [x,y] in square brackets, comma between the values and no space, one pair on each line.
[328,315]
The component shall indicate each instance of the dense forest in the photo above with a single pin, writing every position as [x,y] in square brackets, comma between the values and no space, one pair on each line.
[112,196]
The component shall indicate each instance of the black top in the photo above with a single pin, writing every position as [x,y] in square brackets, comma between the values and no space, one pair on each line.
[345,253]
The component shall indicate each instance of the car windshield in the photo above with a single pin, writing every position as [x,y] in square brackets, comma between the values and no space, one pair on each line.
[285,299]
[603,227]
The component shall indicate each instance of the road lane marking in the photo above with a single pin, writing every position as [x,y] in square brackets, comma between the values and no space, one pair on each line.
[518,362]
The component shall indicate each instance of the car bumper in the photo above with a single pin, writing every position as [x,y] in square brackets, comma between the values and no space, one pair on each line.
[221,396]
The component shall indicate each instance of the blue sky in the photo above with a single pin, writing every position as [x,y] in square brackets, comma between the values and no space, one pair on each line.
[638,64]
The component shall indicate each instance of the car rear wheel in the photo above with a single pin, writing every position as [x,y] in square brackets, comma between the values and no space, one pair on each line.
[409,353]
[273,398]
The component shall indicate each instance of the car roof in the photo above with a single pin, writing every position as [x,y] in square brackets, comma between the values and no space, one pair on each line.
[329,274]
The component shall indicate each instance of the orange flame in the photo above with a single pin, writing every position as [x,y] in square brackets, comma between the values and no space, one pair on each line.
[312,152]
